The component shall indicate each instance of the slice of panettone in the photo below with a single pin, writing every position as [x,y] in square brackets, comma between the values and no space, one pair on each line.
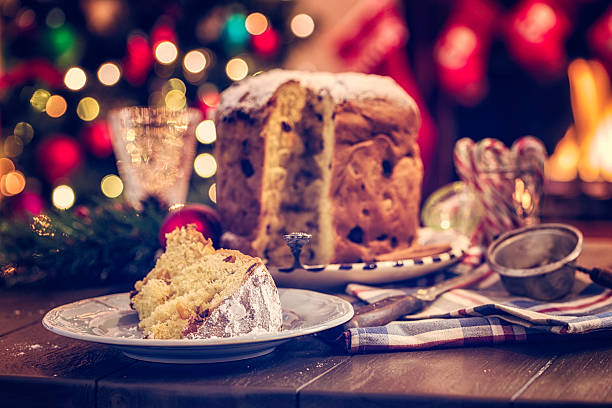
[195,291]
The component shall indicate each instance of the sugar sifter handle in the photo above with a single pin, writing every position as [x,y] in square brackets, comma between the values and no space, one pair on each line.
[602,276]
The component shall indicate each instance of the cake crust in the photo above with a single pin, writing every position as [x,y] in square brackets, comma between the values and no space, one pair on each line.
[376,179]
[354,136]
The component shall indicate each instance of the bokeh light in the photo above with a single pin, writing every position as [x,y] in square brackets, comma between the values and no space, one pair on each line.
[174,84]
[459,45]
[537,22]
[55,18]
[111,186]
[109,74]
[39,99]
[63,197]
[206,132]
[256,23]
[75,78]
[13,146]
[103,16]
[57,156]
[205,165]
[302,25]
[175,100]
[209,94]
[236,69]
[234,33]
[26,18]
[166,52]
[88,109]
[6,166]
[212,192]
[96,137]
[56,106]
[194,61]
[24,131]
[12,183]
[267,43]
[138,59]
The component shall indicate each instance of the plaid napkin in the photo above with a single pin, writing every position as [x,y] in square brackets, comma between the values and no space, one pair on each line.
[484,314]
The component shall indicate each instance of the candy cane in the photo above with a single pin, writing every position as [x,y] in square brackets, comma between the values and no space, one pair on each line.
[463,164]
[532,150]
[496,162]
[492,159]
[530,156]
[489,168]
[466,161]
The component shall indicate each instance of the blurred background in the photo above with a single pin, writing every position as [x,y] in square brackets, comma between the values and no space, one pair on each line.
[476,68]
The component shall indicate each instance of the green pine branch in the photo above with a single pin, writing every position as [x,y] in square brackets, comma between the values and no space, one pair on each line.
[112,244]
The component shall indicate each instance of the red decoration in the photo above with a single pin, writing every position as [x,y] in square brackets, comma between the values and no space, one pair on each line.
[600,38]
[206,220]
[27,204]
[372,41]
[266,44]
[58,156]
[138,60]
[97,139]
[536,32]
[462,49]
[36,68]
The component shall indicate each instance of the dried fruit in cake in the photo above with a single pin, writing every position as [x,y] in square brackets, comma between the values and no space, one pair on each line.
[333,155]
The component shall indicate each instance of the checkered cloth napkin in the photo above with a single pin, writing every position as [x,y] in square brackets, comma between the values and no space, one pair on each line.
[481,315]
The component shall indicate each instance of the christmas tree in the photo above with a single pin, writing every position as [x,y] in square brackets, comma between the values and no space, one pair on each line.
[66,66]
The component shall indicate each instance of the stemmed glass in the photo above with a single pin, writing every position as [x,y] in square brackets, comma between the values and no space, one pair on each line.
[154,148]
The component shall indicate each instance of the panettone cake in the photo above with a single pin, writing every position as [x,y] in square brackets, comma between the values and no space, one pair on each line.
[333,155]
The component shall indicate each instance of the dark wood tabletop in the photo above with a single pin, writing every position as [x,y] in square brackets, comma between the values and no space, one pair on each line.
[39,368]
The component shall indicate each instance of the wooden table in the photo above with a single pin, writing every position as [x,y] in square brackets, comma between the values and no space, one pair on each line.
[39,368]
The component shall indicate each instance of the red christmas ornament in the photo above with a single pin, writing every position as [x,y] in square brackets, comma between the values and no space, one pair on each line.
[462,50]
[97,139]
[266,43]
[206,220]
[58,156]
[535,33]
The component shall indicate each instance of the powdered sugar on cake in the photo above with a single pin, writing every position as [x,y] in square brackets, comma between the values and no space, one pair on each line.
[252,93]
[253,309]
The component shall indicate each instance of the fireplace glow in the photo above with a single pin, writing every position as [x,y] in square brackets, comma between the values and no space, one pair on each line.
[563,163]
[585,152]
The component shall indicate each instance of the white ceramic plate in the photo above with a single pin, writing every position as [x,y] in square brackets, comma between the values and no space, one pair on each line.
[333,275]
[110,320]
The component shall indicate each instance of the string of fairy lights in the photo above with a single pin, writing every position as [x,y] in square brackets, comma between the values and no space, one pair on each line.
[172,94]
